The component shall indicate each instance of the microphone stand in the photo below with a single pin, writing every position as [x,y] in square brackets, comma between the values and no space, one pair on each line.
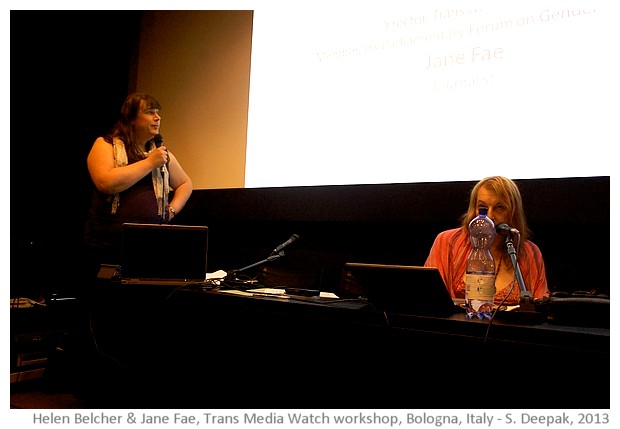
[526,301]
[272,257]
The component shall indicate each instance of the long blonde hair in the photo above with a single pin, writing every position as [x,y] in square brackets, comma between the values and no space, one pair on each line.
[508,193]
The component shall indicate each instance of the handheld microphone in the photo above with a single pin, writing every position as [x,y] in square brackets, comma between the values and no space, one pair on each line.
[507,228]
[159,141]
[291,240]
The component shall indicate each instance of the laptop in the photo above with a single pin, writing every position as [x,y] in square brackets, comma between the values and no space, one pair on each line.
[403,289]
[162,254]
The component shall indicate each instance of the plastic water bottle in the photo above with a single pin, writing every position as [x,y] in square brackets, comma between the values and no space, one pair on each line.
[480,271]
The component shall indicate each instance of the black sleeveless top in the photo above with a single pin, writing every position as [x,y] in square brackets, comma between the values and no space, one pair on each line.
[103,230]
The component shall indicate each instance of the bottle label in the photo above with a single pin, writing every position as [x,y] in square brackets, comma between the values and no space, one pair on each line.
[480,287]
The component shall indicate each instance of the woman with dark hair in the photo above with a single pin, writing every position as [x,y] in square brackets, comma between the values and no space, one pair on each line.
[136,178]
[452,247]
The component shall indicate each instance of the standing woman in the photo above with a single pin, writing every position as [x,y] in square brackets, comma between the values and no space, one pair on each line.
[136,179]
[451,247]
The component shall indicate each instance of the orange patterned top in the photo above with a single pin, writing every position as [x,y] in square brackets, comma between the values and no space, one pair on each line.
[449,254]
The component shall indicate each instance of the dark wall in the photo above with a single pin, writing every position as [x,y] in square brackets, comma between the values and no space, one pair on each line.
[70,71]
[397,223]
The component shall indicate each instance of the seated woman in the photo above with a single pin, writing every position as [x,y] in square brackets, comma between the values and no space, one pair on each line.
[452,247]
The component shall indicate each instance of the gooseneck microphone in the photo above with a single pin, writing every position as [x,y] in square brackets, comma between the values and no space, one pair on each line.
[277,253]
[291,240]
[507,228]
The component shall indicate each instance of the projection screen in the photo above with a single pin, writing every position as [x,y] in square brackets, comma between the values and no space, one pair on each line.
[421,91]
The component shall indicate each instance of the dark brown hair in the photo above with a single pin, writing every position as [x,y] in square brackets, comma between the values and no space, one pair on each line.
[124,128]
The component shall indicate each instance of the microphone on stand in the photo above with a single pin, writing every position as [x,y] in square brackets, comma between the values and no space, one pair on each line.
[504,227]
[277,253]
[291,240]
[527,310]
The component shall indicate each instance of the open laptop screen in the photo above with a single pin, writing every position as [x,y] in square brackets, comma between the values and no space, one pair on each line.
[404,289]
[164,253]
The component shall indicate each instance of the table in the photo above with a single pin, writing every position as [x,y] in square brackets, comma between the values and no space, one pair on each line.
[196,348]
